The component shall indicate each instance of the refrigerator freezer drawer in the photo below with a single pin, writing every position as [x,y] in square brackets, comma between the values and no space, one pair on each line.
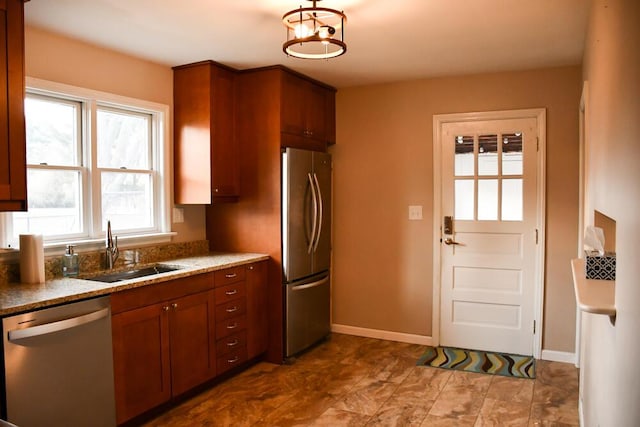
[307,314]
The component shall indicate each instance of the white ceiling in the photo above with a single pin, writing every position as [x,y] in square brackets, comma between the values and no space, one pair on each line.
[388,40]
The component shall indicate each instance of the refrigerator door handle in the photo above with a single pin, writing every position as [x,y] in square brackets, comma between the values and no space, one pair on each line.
[310,285]
[320,210]
[314,196]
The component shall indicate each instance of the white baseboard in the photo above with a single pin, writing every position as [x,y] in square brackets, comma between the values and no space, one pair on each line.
[380,334]
[580,413]
[558,356]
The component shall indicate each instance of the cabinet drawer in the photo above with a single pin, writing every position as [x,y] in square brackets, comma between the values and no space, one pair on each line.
[231,309]
[231,344]
[152,294]
[230,326]
[229,275]
[230,292]
[231,360]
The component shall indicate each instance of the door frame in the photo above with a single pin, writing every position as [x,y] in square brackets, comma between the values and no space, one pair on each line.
[438,121]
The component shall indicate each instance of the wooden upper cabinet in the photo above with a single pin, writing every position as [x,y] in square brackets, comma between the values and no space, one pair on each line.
[13,169]
[205,152]
[307,110]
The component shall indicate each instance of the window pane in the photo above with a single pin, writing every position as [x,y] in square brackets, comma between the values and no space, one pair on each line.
[126,200]
[52,131]
[54,204]
[512,154]
[464,160]
[512,200]
[464,199]
[488,155]
[123,139]
[488,199]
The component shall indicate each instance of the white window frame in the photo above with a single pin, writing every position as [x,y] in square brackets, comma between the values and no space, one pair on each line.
[91,100]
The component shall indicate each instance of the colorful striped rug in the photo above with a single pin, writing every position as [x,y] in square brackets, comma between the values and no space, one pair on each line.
[509,365]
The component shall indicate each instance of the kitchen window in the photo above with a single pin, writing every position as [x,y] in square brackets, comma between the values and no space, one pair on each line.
[92,157]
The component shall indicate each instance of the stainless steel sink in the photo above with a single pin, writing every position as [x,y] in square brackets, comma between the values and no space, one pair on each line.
[132,274]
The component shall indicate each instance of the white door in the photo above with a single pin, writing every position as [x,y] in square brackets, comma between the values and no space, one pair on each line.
[488,250]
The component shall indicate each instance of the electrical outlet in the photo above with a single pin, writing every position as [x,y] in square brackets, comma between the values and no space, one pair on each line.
[415,213]
[178,215]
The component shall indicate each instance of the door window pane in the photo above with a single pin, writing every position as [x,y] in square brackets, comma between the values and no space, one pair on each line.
[126,200]
[54,204]
[512,154]
[488,199]
[512,200]
[488,155]
[52,128]
[123,139]
[464,199]
[464,158]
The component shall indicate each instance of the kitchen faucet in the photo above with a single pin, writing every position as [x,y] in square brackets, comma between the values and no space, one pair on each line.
[112,251]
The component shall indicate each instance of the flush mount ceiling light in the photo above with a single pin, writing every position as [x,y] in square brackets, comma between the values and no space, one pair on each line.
[314,32]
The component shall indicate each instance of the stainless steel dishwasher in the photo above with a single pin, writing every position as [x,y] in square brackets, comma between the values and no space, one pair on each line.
[59,366]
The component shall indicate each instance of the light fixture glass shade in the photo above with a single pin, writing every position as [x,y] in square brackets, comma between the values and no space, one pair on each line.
[314,32]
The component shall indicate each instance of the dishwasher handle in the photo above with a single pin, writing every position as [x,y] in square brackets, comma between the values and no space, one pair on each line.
[61,325]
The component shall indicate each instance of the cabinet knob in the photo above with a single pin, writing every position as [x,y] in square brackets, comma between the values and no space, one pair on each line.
[251,267]
[165,308]
[174,305]
[215,190]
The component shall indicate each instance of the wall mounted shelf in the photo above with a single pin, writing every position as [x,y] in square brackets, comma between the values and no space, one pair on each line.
[593,296]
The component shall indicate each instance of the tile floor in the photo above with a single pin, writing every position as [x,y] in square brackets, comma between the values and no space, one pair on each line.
[354,381]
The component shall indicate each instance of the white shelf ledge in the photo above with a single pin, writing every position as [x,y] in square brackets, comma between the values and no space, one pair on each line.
[593,296]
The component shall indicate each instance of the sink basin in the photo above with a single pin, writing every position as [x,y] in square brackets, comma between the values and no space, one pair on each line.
[132,274]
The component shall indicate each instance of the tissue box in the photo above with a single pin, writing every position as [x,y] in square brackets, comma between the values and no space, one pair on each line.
[601,267]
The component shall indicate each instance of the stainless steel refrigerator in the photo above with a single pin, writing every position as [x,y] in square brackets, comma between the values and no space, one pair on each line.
[306,247]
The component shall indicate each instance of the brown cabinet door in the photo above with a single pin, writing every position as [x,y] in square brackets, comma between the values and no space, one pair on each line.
[224,156]
[316,112]
[141,360]
[308,113]
[293,104]
[192,337]
[13,173]
[205,152]
[257,330]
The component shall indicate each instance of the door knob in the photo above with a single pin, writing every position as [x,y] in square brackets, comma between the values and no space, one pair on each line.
[450,241]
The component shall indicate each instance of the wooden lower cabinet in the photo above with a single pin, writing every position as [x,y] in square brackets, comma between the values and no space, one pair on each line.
[192,339]
[256,282]
[140,360]
[161,350]
[171,337]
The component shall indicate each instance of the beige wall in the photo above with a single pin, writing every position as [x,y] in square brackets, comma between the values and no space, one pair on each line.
[611,387]
[383,163]
[60,59]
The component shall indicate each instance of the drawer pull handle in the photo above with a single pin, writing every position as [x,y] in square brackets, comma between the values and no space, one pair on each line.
[232,309]
[230,276]
[233,343]
[232,325]
[234,360]
[232,292]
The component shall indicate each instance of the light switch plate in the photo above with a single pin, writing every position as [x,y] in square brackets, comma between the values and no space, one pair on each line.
[415,212]
[178,215]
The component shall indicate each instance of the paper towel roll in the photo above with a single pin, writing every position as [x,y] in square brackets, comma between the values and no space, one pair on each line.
[31,258]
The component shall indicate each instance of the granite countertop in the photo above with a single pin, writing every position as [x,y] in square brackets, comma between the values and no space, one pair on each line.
[20,297]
